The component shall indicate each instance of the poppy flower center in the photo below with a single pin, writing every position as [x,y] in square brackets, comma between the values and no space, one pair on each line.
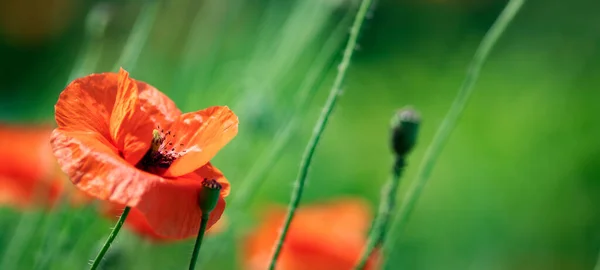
[162,152]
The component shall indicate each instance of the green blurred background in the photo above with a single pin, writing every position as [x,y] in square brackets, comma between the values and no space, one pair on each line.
[515,188]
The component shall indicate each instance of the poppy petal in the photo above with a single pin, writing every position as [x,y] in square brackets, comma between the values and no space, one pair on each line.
[183,193]
[21,147]
[130,126]
[94,166]
[27,167]
[136,222]
[169,205]
[85,104]
[171,208]
[22,193]
[156,110]
[14,192]
[158,107]
[201,135]
[323,236]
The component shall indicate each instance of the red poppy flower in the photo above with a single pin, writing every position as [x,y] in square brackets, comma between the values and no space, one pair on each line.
[137,223]
[327,236]
[123,141]
[29,175]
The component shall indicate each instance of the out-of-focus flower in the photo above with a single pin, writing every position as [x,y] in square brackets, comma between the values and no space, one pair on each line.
[125,142]
[327,236]
[137,223]
[29,175]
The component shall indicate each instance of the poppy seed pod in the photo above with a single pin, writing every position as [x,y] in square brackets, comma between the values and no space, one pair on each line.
[405,127]
[209,195]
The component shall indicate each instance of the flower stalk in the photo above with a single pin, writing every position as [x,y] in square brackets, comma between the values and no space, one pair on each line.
[445,129]
[207,200]
[199,238]
[111,238]
[319,128]
[405,127]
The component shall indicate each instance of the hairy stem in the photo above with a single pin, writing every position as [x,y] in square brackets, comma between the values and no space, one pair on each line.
[111,238]
[445,129]
[320,127]
[386,208]
[201,231]
[259,172]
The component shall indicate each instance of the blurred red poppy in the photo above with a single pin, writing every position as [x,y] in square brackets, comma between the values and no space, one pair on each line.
[123,141]
[327,236]
[29,175]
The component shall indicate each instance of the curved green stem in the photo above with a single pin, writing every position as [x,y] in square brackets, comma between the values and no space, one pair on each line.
[443,133]
[258,173]
[386,208]
[201,231]
[111,238]
[320,127]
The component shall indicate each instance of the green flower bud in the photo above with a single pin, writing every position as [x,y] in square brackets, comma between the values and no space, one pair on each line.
[405,128]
